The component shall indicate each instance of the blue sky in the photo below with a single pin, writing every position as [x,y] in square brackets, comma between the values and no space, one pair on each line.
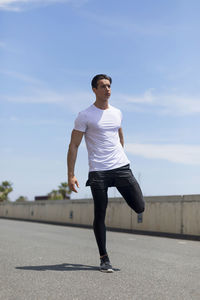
[49,52]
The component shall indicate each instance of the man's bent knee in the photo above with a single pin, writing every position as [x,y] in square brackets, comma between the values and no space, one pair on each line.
[139,211]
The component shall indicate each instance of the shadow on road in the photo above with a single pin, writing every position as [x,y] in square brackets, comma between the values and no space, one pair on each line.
[62,267]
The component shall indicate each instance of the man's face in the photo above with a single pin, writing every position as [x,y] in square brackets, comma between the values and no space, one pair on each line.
[103,90]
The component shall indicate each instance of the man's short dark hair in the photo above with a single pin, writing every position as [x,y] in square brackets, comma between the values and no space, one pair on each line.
[98,77]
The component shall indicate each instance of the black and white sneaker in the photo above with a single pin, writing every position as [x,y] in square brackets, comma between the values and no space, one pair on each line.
[105,265]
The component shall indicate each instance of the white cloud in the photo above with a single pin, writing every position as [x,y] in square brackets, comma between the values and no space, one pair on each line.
[150,101]
[177,104]
[184,154]
[2,45]
[36,96]
[116,25]
[72,101]
[21,77]
[20,5]
[37,91]
[162,104]
[13,5]
[147,97]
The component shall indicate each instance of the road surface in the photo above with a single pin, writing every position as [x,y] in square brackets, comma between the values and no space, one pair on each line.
[49,262]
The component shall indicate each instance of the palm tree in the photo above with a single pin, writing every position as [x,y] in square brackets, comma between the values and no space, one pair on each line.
[64,190]
[55,195]
[5,189]
[21,199]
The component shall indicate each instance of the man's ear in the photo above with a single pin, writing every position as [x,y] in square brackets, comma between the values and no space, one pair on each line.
[94,90]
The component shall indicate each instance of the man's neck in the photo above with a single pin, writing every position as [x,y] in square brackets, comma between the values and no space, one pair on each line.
[101,104]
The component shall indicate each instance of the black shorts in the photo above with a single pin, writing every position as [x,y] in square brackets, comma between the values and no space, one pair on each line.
[119,177]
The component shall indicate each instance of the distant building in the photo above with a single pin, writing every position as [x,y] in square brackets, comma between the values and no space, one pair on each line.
[38,198]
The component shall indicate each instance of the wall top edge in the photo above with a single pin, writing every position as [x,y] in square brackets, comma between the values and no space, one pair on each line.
[171,198]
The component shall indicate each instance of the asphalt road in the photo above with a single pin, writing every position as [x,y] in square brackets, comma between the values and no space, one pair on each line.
[49,262]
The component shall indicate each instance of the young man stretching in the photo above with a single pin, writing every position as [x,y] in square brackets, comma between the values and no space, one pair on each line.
[109,166]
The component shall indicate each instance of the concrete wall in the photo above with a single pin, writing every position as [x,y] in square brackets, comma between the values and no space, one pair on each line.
[163,214]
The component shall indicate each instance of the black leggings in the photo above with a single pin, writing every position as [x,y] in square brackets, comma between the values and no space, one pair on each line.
[132,195]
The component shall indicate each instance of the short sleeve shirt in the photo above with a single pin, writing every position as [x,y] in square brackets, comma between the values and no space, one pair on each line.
[105,151]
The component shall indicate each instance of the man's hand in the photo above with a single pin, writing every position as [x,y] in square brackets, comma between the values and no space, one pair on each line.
[72,182]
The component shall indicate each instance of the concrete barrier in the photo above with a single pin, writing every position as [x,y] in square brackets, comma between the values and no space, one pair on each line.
[179,215]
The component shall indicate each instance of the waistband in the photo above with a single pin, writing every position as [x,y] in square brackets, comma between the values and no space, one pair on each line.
[126,167]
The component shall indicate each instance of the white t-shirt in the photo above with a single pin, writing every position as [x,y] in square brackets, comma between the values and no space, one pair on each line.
[105,151]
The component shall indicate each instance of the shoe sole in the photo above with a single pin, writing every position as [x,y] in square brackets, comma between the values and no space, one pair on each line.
[107,271]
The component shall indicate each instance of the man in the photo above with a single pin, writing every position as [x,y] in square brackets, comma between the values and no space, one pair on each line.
[100,124]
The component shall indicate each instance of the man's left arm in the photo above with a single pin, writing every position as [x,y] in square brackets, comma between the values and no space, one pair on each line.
[121,136]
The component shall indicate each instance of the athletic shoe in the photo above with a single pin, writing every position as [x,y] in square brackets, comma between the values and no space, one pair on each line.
[105,265]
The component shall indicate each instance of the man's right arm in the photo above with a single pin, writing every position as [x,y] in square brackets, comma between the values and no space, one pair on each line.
[76,138]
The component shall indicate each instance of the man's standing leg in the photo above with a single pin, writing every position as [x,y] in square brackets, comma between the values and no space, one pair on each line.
[100,197]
